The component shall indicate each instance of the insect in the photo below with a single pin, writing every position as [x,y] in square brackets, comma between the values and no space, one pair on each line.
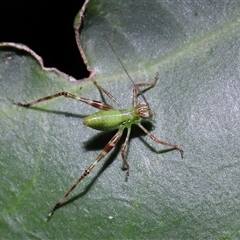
[109,118]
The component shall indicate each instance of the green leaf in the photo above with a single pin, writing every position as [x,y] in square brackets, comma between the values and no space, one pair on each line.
[43,150]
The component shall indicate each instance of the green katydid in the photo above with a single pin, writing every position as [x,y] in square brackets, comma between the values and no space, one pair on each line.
[109,118]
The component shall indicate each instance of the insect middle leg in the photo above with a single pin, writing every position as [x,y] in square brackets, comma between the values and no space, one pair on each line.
[160,141]
[123,151]
[103,90]
[96,104]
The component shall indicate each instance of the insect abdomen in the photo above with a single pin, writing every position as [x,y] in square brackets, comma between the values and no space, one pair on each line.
[111,119]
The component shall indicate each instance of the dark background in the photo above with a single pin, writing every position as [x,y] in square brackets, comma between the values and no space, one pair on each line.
[46,28]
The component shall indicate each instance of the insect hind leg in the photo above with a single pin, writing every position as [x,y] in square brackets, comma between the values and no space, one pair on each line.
[110,145]
[96,104]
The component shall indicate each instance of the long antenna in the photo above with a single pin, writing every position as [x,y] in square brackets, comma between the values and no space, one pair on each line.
[139,91]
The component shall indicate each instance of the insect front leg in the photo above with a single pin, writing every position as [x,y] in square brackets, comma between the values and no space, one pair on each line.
[110,145]
[136,90]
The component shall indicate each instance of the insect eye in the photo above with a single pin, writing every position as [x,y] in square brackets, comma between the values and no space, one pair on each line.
[144,111]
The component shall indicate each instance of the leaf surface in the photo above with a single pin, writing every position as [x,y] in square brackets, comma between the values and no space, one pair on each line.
[195,48]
